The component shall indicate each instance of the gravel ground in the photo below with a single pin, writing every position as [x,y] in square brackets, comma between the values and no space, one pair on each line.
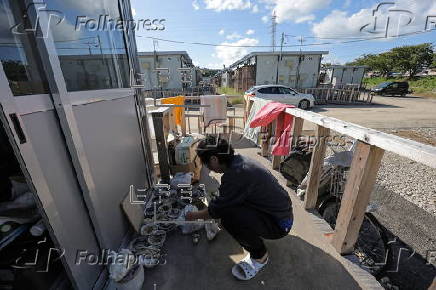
[413,181]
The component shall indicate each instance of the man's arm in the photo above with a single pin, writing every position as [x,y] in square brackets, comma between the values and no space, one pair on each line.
[196,215]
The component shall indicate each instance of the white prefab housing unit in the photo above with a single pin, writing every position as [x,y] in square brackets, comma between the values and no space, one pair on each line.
[167,70]
[296,69]
[225,81]
[339,75]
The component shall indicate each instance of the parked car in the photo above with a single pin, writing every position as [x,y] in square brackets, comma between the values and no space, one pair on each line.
[394,74]
[391,89]
[282,94]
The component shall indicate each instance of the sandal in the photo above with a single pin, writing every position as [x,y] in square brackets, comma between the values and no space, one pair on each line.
[247,268]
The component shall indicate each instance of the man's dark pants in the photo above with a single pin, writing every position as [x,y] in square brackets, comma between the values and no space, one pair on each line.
[248,226]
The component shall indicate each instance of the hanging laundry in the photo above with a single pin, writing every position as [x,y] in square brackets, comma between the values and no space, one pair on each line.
[249,133]
[216,112]
[178,111]
[276,111]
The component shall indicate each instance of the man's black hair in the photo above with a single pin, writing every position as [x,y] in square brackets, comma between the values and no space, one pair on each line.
[215,146]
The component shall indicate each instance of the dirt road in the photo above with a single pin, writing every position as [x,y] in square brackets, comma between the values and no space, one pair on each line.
[386,112]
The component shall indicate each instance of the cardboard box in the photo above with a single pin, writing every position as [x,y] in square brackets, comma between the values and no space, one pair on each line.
[194,167]
[194,164]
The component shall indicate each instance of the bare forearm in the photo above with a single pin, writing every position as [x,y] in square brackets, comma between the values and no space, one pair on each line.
[201,214]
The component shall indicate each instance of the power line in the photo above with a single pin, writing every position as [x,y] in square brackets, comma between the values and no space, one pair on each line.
[296,45]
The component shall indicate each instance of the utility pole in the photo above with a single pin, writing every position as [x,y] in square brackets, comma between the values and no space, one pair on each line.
[282,40]
[273,30]
[301,40]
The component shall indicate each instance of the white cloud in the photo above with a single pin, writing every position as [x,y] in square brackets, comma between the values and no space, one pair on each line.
[234,35]
[229,55]
[296,10]
[249,32]
[305,18]
[133,12]
[255,8]
[221,32]
[195,5]
[220,5]
[265,19]
[340,23]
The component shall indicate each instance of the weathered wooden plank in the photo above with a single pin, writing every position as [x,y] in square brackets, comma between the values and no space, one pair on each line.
[183,125]
[297,128]
[266,135]
[360,182]
[199,124]
[316,162]
[413,150]
[276,162]
[161,127]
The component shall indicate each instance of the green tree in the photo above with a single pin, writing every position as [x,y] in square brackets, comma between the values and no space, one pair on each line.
[433,64]
[412,58]
[382,62]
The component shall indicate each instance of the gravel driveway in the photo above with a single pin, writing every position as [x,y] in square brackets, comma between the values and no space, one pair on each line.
[413,181]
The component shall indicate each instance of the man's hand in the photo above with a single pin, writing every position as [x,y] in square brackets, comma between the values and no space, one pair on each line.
[190,216]
[195,215]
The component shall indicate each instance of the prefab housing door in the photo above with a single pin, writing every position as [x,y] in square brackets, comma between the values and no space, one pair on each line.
[66,98]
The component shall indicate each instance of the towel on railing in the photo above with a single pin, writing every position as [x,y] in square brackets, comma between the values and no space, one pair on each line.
[253,133]
[276,111]
[216,110]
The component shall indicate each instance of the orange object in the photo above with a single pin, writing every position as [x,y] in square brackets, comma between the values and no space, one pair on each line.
[179,100]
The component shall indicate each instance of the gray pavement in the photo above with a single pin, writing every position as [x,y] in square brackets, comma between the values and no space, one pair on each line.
[302,260]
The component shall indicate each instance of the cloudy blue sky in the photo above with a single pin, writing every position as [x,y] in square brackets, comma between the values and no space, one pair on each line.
[232,23]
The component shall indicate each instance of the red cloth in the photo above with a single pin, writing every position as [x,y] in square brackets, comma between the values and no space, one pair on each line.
[269,113]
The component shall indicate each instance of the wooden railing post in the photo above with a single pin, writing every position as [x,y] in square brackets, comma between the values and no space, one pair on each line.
[297,128]
[360,182]
[161,124]
[316,163]
[267,133]
[200,124]
[183,125]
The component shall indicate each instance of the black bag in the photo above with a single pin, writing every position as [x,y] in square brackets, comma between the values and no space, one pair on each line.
[295,167]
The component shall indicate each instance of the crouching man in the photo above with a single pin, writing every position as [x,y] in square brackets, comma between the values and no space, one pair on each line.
[252,205]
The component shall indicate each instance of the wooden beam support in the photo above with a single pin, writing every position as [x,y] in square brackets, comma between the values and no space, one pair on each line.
[297,128]
[199,124]
[161,126]
[315,169]
[267,131]
[360,182]
[183,125]
[276,162]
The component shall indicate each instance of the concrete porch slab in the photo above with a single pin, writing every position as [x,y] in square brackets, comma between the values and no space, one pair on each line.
[302,260]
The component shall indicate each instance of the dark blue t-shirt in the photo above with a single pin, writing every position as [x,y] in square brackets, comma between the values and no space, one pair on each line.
[246,182]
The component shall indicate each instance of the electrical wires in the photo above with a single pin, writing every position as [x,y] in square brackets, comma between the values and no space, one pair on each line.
[352,40]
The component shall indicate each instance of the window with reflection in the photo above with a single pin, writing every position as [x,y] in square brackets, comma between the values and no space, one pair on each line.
[90,44]
[20,62]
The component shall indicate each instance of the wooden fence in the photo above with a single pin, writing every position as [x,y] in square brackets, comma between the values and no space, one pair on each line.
[371,145]
[339,95]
